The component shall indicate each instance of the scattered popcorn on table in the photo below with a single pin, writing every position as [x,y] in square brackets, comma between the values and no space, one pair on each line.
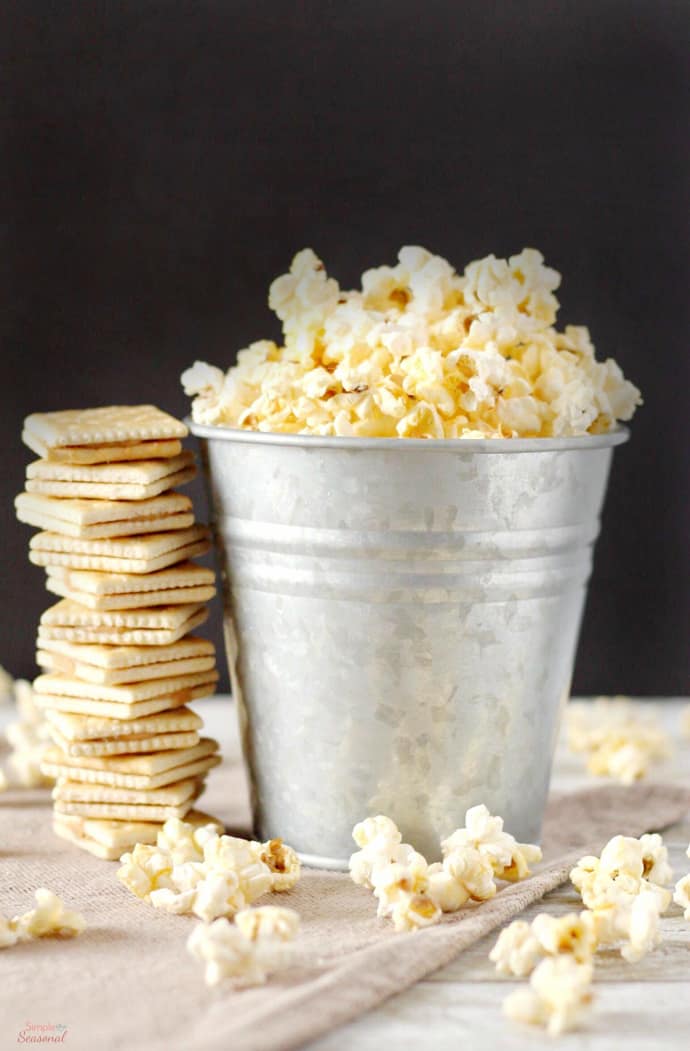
[28,737]
[413,893]
[247,951]
[620,740]
[50,918]
[509,859]
[559,992]
[612,886]
[194,870]
[419,351]
[521,945]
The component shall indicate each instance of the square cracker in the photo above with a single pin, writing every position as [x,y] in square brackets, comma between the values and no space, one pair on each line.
[184,575]
[124,811]
[107,424]
[132,656]
[112,710]
[124,745]
[67,613]
[51,560]
[79,839]
[96,519]
[108,452]
[144,548]
[63,685]
[170,795]
[87,728]
[110,490]
[57,662]
[135,600]
[119,779]
[120,636]
[140,472]
[147,765]
[119,836]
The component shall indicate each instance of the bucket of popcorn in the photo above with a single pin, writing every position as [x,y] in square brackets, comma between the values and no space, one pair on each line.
[406,494]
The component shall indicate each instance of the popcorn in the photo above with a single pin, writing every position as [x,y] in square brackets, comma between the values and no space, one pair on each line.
[559,993]
[283,863]
[681,895]
[247,951]
[268,921]
[418,351]
[414,893]
[28,738]
[521,945]
[625,902]
[619,740]
[50,918]
[517,950]
[509,859]
[381,844]
[197,871]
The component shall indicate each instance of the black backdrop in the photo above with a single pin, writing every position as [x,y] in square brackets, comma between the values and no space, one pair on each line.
[161,162]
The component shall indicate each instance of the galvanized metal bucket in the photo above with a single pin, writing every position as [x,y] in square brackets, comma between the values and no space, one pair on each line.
[401,622]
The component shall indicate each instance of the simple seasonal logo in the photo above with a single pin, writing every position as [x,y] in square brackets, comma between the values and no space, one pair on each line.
[47,1033]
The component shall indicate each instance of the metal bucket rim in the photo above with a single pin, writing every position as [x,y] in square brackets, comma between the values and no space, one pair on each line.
[462,445]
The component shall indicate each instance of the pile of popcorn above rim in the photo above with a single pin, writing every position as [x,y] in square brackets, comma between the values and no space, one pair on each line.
[420,351]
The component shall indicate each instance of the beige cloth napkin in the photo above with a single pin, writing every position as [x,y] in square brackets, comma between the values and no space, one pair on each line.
[128,981]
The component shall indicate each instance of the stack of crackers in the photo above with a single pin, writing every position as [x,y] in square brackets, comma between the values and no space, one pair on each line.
[120,661]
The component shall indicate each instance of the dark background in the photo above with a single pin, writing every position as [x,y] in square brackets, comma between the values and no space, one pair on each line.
[162,162]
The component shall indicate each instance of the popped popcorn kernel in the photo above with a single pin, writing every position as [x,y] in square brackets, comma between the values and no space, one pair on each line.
[268,921]
[50,918]
[620,741]
[517,951]
[558,995]
[283,863]
[411,912]
[419,351]
[483,832]
[521,945]
[145,869]
[249,950]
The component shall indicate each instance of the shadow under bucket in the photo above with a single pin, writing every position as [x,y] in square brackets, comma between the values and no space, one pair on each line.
[401,619]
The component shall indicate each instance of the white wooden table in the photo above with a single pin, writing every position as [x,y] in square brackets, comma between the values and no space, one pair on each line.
[638,1007]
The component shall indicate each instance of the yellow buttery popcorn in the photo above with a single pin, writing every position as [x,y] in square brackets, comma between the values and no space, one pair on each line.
[626,903]
[559,993]
[521,945]
[418,351]
[509,859]
[621,741]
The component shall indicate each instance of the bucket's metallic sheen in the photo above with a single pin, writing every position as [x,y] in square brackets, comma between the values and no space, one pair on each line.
[401,622]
